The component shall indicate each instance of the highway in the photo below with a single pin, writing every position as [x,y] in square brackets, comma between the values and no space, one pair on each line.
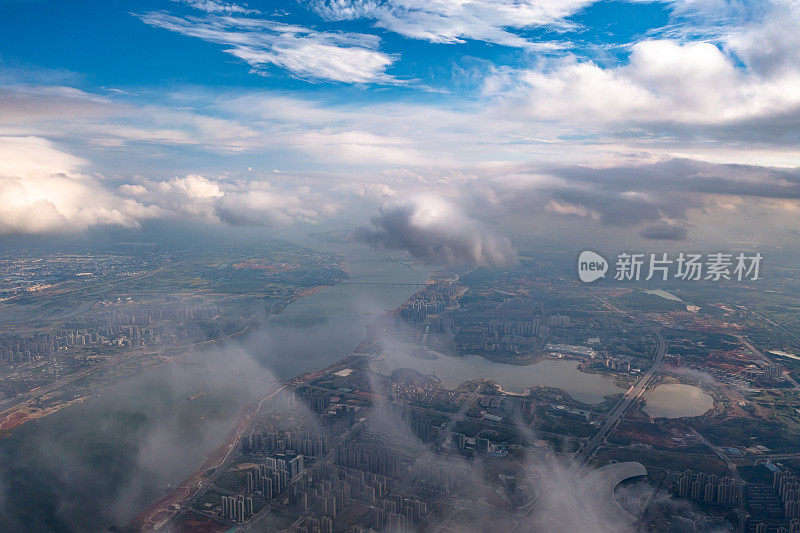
[630,396]
[627,400]
[758,353]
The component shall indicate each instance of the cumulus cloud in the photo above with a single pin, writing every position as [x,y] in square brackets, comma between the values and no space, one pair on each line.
[306,53]
[762,34]
[239,203]
[665,81]
[436,231]
[42,190]
[454,21]
[630,128]
[726,71]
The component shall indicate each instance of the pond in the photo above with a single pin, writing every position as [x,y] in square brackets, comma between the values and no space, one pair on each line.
[677,400]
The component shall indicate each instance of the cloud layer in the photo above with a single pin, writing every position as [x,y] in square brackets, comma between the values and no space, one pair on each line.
[664,82]
[655,137]
[239,203]
[42,191]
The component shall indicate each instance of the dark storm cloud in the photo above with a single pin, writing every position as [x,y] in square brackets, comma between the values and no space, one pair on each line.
[437,232]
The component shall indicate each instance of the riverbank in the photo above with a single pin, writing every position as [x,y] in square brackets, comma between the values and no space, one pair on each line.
[15,416]
[162,511]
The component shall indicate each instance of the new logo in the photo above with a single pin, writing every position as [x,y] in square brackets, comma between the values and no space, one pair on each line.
[591,266]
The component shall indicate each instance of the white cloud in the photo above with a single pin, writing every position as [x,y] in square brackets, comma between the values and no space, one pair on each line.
[306,53]
[212,6]
[724,72]
[664,82]
[738,93]
[65,112]
[770,45]
[255,203]
[454,21]
[43,191]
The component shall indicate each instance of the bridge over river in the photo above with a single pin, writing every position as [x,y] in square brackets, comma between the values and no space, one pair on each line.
[383,284]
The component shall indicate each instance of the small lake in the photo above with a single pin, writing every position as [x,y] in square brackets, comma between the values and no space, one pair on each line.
[676,400]
[453,371]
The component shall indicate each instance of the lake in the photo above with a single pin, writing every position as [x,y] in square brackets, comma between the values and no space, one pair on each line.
[452,371]
[677,400]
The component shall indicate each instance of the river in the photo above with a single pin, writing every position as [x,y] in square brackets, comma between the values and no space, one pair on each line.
[99,463]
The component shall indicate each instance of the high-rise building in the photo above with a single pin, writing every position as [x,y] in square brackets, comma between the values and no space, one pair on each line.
[481,445]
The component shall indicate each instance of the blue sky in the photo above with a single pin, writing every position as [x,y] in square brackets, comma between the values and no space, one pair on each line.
[106,45]
[284,113]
